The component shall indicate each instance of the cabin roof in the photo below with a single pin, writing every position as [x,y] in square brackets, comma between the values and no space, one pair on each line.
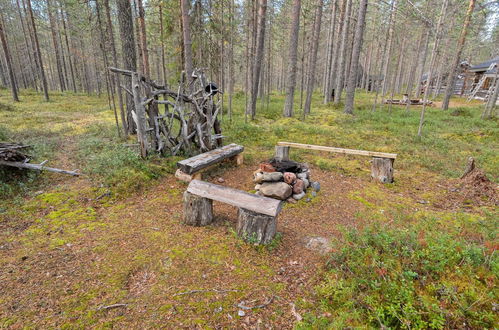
[484,66]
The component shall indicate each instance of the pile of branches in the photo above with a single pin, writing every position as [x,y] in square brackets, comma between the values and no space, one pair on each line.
[12,155]
[13,152]
[171,122]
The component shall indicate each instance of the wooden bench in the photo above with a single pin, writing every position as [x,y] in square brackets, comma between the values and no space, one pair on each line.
[256,217]
[381,164]
[192,168]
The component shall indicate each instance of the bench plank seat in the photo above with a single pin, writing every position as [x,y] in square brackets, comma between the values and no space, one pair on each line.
[201,161]
[231,196]
[338,150]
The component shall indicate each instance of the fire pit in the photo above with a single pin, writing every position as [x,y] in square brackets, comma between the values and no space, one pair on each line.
[285,180]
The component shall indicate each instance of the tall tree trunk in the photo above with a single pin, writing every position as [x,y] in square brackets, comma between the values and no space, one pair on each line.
[186,33]
[231,57]
[258,58]
[117,78]
[125,21]
[38,52]
[292,59]
[451,79]
[143,38]
[331,54]
[8,60]
[313,58]
[53,33]
[343,54]
[432,64]
[162,37]
[389,51]
[357,46]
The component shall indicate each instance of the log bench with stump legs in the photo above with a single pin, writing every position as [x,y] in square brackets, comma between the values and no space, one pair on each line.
[381,164]
[257,216]
[193,168]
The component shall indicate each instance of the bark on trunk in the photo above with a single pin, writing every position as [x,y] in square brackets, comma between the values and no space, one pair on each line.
[382,169]
[313,59]
[129,57]
[8,60]
[186,33]
[357,46]
[451,79]
[198,211]
[255,227]
[258,58]
[343,54]
[293,58]
[38,52]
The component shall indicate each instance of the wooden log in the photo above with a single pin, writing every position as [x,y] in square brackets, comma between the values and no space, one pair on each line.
[38,167]
[231,196]
[338,150]
[281,153]
[255,227]
[198,211]
[382,169]
[197,163]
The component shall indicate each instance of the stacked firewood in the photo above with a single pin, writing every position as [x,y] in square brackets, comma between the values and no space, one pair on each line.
[173,121]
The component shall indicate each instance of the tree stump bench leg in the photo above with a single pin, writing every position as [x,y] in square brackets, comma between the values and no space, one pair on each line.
[256,227]
[198,211]
[179,174]
[239,159]
[281,153]
[382,169]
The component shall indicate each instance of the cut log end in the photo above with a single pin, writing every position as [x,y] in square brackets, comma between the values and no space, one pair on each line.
[382,169]
[255,227]
[198,211]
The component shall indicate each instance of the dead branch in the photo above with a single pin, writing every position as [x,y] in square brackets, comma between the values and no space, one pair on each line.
[203,290]
[265,304]
[102,308]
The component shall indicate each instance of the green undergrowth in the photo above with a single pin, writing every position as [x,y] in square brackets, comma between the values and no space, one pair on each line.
[428,270]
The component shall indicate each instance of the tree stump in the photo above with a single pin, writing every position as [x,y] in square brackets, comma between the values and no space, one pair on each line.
[256,227]
[382,169]
[281,153]
[198,211]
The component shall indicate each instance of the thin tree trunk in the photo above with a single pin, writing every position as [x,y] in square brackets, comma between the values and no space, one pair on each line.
[258,58]
[162,37]
[313,58]
[451,79]
[8,60]
[143,38]
[343,54]
[125,21]
[292,60]
[331,55]
[389,51]
[38,53]
[357,46]
[55,43]
[432,65]
[186,32]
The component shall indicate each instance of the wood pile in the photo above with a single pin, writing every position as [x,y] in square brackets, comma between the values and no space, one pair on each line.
[12,152]
[173,121]
[12,155]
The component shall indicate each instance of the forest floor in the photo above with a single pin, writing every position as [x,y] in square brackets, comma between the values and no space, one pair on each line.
[416,253]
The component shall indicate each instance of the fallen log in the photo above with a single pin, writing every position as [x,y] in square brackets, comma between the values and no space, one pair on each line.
[38,167]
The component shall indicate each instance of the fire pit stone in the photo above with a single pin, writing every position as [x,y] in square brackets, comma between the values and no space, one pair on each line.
[284,180]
